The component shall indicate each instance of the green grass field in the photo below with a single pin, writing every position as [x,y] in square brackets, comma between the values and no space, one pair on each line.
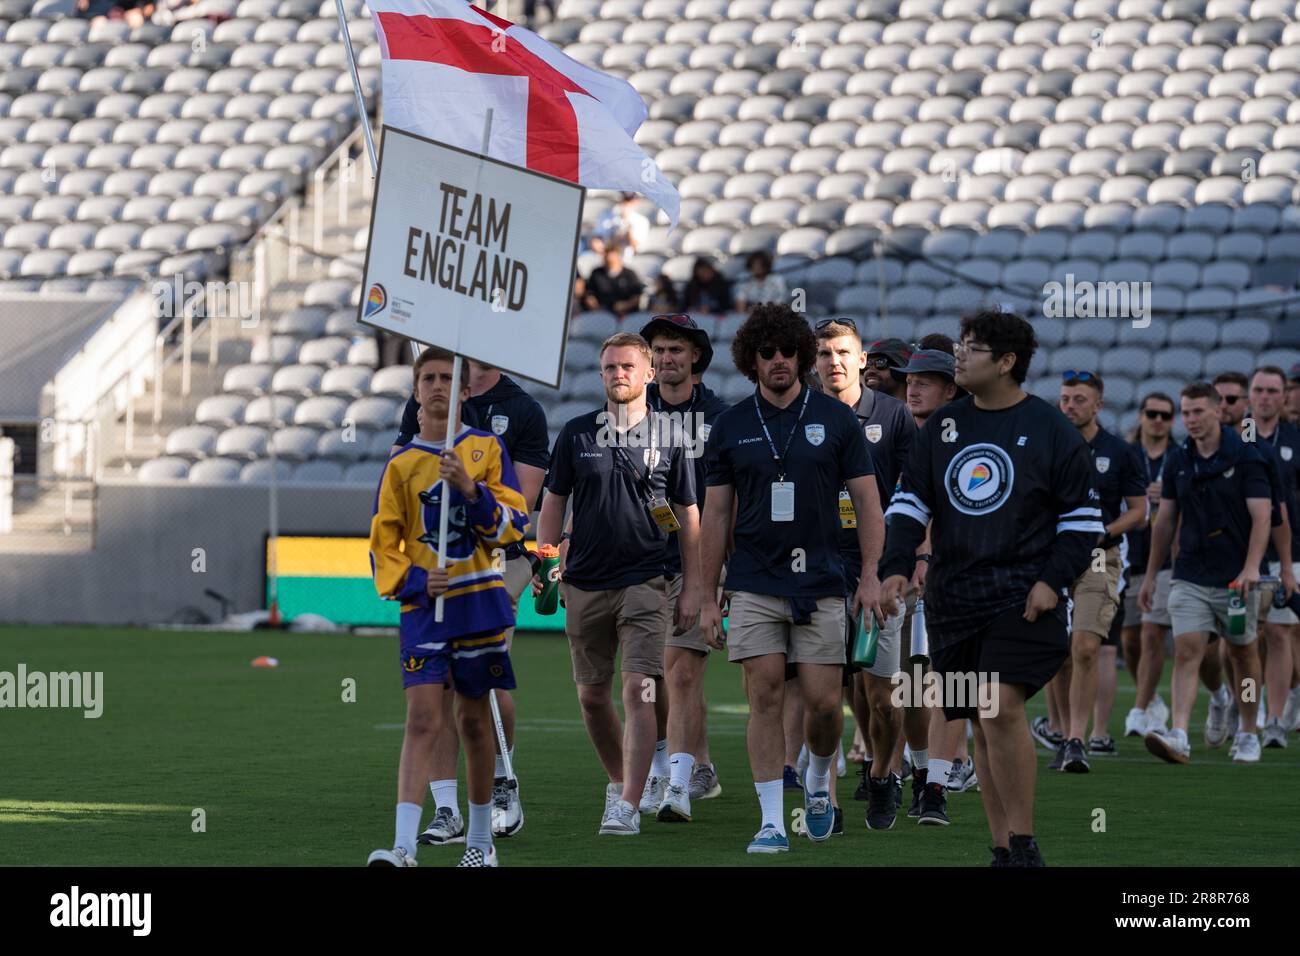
[289,774]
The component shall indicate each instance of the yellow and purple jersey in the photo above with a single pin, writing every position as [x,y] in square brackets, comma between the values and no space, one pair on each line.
[404,538]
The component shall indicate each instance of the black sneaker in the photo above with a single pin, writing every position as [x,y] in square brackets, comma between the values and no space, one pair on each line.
[1047,738]
[918,787]
[837,828]
[790,779]
[907,769]
[934,805]
[1101,746]
[896,794]
[1059,760]
[1075,761]
[861,792]
[880,793]
[1001,856]
[1024,851]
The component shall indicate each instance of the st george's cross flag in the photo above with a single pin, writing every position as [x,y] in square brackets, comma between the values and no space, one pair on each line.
[446,63]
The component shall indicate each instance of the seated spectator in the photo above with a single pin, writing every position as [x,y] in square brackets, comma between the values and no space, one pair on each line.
[664,297]
[762,285]
[613,287]
[622,225]
[708,291]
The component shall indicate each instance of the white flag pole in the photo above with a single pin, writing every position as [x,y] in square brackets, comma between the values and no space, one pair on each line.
[356,88]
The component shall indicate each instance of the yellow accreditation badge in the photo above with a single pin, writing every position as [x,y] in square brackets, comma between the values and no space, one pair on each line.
[848,517]
[663,515]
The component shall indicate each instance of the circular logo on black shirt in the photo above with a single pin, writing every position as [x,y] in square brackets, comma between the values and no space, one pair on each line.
[979,478]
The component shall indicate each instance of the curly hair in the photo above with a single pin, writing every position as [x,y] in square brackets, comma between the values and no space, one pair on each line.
[773,323]
[1005,333]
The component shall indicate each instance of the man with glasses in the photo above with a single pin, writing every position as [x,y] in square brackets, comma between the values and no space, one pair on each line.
[889,431]
[1281,635]
[1145,634]
[884,358]
[681,772]
[1095,594]
[782,456]
[1005,484]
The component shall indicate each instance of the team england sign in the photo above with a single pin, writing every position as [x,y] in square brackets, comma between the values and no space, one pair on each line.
[473,255]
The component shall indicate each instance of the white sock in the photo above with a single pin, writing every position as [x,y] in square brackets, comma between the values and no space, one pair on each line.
[659,765]
[907,752]
[769,802]
[408,824]
[818,778]
[939,770]
[1222,697]
[921,759]
[444,794]
[480,826]
[802,760]
[501,762]
[680,775]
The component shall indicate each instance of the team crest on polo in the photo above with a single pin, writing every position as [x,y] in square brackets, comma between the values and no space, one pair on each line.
[1286,453]
[499,424]
[460,538]
[651,457]
[874,432]
[1103,465]
[816,434]
[979,479]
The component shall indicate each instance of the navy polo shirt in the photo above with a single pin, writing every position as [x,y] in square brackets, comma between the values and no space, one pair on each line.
[1119,475]
[1211,494]
[826,449]
[1139,540]
[615,542]
[889,429]
[1285,445]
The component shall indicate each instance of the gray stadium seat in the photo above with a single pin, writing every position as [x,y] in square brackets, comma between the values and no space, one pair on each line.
[318,472]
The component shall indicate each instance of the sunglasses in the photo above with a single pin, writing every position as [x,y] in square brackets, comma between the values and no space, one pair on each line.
[768,352]
[1069,374]
[1232,399]
[676,318]
[1152,415]
[879,362]
[824,323]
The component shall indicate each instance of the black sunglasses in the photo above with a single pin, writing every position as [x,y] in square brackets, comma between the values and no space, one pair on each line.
[824,323]
[1069,374]
[768,352]
[879,362]
[1152,414]
[1233,399]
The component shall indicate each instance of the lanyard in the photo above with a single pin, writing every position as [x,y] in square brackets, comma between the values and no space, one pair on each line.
[658,405]
[1146,459]
[643,481]
[780,458]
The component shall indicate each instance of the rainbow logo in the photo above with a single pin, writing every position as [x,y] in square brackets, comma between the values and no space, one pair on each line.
[376,300]
[979,475]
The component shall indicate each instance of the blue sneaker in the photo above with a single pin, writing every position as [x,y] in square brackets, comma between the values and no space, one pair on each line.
[818,815]
[790,779]
[769,840]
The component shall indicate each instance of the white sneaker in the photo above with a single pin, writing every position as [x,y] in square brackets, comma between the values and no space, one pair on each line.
[653,794]
[1216,721]
[1171,746]
[676,807]
[1291,712]
[1157,713]
[622,820]
[1135,724]
[448,826]
[841,768]
[394,857]
[1234,718]
[507,811]
[1274,735]
[476,857]
[613,793]
[1246,748]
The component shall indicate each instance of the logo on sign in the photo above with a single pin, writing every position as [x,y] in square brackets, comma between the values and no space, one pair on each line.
[1103,465]
[874,433]
[979,479]
[816,434]
[499,424]
[376,300]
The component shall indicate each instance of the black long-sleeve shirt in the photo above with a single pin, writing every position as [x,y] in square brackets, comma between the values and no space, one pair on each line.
[1012,498]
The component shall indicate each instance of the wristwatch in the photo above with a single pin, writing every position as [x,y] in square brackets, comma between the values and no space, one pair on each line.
[923,557]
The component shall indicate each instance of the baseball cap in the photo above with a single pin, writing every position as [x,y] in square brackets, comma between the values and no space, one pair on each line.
[896,350]
[1294,374]
[679,323]
[931,360]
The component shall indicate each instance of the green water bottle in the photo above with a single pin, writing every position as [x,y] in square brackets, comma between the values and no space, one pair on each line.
[1236,612]
[546,602]
[864,647]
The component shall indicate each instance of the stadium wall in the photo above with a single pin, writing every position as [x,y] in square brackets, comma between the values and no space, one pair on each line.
[144,568]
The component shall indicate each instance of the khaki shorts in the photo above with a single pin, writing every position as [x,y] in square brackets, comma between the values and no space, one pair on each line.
[1159,614]
[761,624]
[598,623]
[1095,597]
[518,574]
[1279,615]
[1195,607]
[694,638]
